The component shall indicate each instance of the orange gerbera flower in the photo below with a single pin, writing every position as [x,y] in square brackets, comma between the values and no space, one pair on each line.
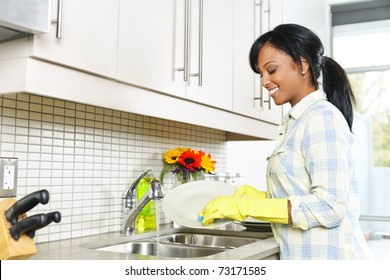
[190,159]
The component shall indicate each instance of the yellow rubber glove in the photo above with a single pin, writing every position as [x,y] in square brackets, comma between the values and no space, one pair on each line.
[239,208]
[248,191]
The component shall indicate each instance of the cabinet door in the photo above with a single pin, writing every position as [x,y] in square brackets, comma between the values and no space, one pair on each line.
[211,52]
[244,93]
[151,44]
[250,98]
[270,15]
[89,37]
[158,39]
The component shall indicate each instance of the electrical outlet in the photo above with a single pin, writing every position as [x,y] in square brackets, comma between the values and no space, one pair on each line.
[8,177]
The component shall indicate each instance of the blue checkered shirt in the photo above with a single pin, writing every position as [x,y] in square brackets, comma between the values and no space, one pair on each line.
[313,166]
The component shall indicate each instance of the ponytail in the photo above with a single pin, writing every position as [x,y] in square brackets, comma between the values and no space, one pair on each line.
[337,88]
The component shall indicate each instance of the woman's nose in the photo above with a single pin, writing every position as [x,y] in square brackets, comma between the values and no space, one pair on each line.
[265,82]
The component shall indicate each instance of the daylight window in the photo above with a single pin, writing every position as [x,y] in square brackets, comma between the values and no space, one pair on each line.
[360,43]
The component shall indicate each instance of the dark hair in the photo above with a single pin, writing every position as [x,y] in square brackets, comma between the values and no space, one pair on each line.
[298,41]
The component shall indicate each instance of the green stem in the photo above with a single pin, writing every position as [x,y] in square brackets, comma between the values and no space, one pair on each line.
[163,171]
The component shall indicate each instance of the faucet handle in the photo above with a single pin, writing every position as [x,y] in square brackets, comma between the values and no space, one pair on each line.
[157,189]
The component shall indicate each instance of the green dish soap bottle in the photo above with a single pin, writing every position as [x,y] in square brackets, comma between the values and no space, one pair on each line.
[146,219]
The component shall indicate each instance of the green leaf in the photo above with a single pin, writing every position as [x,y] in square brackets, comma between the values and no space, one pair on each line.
[163,171]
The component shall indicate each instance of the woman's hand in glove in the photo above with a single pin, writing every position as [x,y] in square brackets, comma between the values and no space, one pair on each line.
[239,208]
[223,207]
[248,191]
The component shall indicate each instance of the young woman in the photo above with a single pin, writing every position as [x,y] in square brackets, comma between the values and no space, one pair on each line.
[312,194]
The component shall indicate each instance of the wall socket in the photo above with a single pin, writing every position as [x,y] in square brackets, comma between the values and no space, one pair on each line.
[8,176]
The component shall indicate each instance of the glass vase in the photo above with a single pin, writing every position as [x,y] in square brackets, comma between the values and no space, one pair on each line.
[183,177]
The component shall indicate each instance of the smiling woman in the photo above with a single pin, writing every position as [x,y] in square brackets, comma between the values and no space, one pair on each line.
[312,196]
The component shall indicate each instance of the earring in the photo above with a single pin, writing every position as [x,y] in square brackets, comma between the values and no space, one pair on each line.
[303,73]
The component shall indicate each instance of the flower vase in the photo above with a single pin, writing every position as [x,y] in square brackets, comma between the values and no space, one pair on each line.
[182,178]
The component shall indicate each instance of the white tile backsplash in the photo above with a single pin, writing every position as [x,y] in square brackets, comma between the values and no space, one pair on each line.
[85,155]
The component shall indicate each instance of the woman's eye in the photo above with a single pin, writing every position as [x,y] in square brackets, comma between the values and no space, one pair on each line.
[271,71]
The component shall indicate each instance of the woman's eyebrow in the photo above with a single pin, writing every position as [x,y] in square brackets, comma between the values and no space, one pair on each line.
[268,62]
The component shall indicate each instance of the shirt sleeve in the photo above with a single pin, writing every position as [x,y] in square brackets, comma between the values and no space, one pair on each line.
[326,147]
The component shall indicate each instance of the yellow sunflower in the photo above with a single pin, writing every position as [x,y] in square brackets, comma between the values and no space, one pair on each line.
[207,164]
[171,156]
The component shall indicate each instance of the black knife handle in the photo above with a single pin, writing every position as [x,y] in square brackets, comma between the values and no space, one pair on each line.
[27,224]
[25,204]
[51,217]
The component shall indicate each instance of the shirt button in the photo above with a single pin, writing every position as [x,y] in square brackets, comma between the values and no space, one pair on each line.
[289,116]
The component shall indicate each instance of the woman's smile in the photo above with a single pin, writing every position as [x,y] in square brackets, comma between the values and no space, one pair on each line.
[272,91]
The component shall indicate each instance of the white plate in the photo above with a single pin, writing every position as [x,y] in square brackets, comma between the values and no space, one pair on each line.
[183,204]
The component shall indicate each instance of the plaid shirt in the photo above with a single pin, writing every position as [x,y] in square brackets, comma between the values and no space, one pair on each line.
[313,166]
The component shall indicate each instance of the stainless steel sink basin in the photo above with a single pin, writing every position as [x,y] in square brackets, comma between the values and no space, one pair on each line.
[207,240]
[188,243]
[152,248]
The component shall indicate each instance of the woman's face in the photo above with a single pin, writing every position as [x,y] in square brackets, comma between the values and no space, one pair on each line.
[281,76]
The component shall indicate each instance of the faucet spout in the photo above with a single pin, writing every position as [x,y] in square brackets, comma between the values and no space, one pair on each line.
[130,190]
[155,192]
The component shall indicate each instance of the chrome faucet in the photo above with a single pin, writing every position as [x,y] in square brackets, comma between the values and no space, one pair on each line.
[131,208]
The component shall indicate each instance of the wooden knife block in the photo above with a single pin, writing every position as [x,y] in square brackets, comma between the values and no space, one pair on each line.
[11,249]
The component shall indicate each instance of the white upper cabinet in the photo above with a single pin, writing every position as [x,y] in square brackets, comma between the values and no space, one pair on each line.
[183,60]
[178,47]
[88,40]
[255,17]
[244,78]
[151,45]
[211,52]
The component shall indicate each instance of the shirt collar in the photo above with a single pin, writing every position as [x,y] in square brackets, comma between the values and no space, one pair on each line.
[299,108]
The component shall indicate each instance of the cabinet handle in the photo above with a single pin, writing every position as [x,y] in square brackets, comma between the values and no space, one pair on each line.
[261,98]
[59,20]
[260,4]
[200,53]
[186,38]
[186,41]
[261,14]
[266,101]
[268,11]
[265,11]
[200,79]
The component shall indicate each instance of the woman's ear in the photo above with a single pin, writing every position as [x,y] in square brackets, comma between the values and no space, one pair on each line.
[304,66]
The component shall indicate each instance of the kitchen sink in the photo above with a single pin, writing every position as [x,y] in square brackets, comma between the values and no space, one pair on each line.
[153,248]
[208,240]
[185,243]
[181,245]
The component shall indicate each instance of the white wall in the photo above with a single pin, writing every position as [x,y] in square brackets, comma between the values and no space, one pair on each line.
[249,158]
[311,14]
[362,131]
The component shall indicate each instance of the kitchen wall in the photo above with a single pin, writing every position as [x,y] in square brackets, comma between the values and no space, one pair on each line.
[85,155]
[250,158]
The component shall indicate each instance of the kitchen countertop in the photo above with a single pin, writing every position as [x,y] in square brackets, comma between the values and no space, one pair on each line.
[70,249]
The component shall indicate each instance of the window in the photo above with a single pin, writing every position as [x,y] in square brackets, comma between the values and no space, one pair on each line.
[362,50]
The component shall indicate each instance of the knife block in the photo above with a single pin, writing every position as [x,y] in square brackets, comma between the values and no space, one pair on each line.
[11,249]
